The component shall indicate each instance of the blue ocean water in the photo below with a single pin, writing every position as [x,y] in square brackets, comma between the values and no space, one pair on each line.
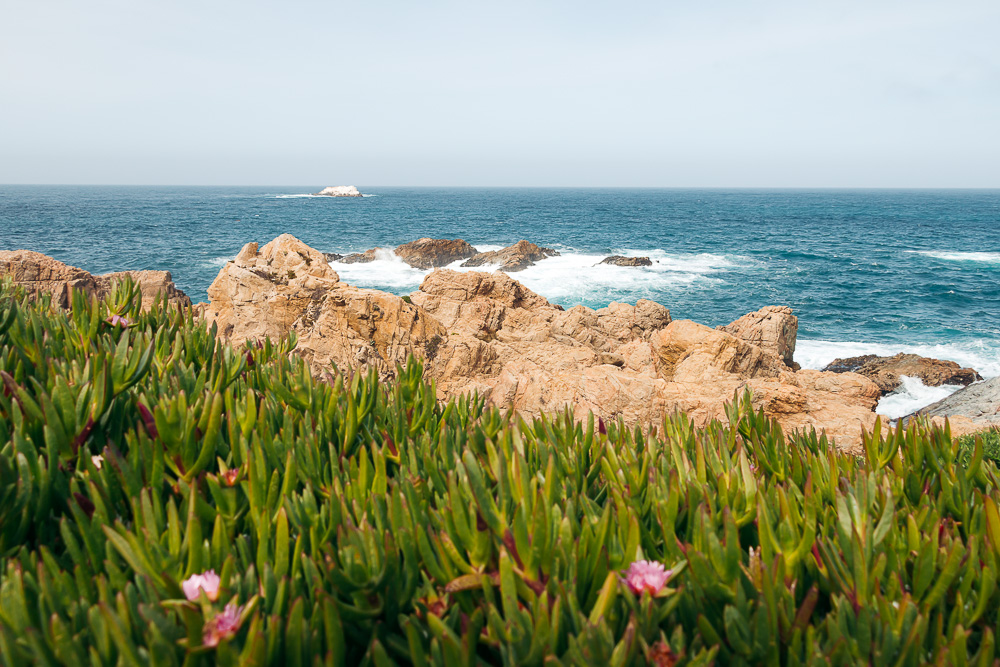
[865,270]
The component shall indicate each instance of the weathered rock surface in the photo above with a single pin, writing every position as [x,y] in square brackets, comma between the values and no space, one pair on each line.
[287,286]
[151,284]
[431,253]
[979,402]
[486,332]
[772,328]
[333,256]
[619,260]
[41,273]
[340,191]
[886,371]
[517,257]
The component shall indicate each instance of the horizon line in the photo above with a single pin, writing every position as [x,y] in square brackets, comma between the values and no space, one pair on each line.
[522,187]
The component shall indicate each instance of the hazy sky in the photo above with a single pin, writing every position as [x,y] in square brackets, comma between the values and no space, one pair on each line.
[870,93]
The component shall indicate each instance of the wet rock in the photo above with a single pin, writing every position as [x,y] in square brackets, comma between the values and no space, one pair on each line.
[429,253]
[619,260]
[886,371]
[517,257]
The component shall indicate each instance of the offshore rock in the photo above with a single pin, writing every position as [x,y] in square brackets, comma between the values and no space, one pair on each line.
[340,191]
[360,257]
[886,371]
[429,253]
[619,260]
[41,273]
[772,328]
[287,286]
[517,257]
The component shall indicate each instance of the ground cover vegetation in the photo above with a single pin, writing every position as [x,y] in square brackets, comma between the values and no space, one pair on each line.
[166,499]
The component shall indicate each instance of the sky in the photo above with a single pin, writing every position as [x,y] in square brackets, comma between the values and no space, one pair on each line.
[574,93]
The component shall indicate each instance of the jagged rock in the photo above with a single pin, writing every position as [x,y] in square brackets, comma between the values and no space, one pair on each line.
[332,256]
[772,328]
[431,253]
[287,286]
[360,257]
[517,257]
[41,273]
[340,191]
[886,371]
[488,333]
[619,260]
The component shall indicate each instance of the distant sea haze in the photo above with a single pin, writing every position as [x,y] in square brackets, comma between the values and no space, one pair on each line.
[866,271]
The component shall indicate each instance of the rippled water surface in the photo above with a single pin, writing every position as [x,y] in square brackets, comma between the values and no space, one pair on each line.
[880,271]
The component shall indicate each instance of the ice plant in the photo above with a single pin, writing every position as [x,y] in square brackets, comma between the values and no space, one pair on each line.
[206,581]
[119,321]
[97,461]
[222,626]
[230,477]
[644,575]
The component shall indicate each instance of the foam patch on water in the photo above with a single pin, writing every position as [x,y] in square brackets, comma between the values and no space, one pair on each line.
[315,196]
[220,261]
[912,395]
[568,279]
[983,355]
[956,256]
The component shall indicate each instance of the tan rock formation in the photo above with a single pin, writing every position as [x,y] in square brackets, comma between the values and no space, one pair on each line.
[287,286]
[772,328]
[517,257]
[431,253]
[886,371]
[486,332]
[41,273]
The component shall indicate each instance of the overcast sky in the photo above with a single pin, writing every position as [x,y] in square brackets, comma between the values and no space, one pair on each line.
[577,93]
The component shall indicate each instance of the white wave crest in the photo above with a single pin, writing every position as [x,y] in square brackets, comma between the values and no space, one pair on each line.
[912,395]
[315,196]
[569,278]
[982,354]
[956,256]
[220,261]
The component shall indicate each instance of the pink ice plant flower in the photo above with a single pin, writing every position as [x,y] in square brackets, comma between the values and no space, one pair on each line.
[222,626]
[119,321]
[206,581]
[645,575]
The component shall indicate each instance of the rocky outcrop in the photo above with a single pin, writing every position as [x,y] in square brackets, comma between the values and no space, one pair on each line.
[41,273]
[287,286]
[340,191]
[886,371]
[772,328]
[978,402]
[151,284]
[486,332]
[431,253]
[619,260]
[360,257]
[332,256]
[517,257]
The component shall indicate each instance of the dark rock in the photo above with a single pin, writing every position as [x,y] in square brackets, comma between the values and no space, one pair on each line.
[619,260]
[429,253]
[886,371]
[517,257]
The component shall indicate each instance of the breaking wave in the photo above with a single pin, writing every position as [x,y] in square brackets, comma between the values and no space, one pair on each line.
[568,279]
[912,395]
[956,256]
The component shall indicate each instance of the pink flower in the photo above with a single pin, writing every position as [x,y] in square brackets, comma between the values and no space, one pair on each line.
[119,321]
[644,575]
[206,581]
[98,461]
[230,477]
[222,626]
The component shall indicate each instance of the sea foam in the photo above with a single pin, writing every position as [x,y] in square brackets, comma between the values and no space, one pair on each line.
[912,395]
[956,256]
[570,278]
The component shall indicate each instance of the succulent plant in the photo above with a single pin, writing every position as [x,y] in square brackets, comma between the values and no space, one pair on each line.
[167,499]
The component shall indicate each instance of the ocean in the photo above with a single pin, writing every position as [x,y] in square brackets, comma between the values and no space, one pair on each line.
[866,271]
